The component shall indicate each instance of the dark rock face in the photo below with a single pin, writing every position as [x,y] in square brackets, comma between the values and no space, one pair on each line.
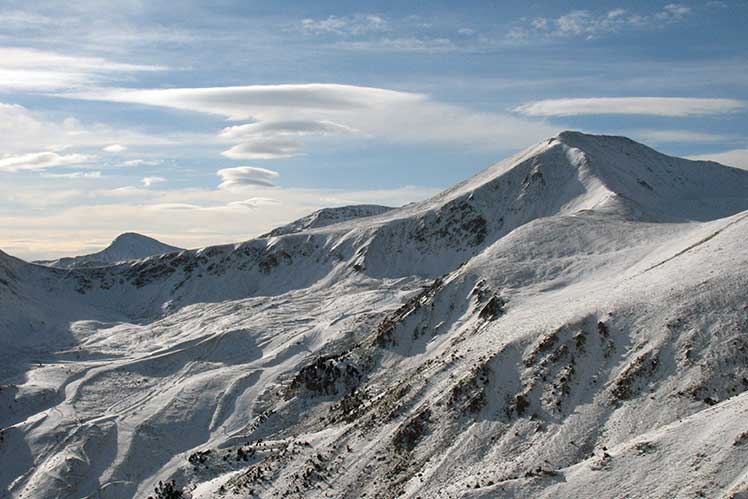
[412,431]
[325,376]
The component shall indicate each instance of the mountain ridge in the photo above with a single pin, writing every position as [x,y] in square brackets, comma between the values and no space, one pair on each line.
[328,216]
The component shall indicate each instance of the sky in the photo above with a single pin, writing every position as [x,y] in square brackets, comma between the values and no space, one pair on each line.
[212,122]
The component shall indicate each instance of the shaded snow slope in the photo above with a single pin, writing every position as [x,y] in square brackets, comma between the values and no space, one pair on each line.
[552,327]
[127,246]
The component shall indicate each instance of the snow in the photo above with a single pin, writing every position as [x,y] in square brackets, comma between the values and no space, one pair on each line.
[570,322]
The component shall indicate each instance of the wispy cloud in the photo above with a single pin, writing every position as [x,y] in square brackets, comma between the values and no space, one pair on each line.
[656,106]
[41,161]
[255,202]
[373,32]
[359,24]
[38,70]
[93,174]
[173,207]
[680,136]
[141,162]
[587,24]
[424,44]
[23,19]
[246,176]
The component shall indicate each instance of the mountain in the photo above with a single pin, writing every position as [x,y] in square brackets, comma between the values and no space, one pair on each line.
[127,246]
[328,216]
[570,322]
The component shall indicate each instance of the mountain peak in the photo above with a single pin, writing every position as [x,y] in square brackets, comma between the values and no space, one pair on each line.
[131,237]
[570,134]
[575,138]
[126,246]
[655,184]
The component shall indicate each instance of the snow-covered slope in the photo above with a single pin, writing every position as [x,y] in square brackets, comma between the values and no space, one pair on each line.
[328,216]
[127,246]
[571,322]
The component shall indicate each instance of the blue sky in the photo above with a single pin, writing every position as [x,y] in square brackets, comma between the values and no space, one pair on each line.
[211,122]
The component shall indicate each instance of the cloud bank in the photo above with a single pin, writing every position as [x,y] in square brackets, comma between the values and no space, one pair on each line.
[281,115]
[655,106]
[736,157]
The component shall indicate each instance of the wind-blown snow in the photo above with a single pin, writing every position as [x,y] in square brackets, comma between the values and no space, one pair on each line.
[570,322]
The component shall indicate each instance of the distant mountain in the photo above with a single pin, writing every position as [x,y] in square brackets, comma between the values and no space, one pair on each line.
[571,322]
[329,216]
[127,246]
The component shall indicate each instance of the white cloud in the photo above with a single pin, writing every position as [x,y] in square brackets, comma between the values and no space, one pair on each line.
[373,112]
[616,13]
[94,174]
[264,148]
[114,148]
[174,207]
[128,191]
[22,130]
[254,202]
[359,24]
[736,157]
[271,139]
[673,12]
[402,44]
[656,106]
[141,162]
[260,102]
[246,176]
[41,161]
[294,127]
[150,181]
[683,136]
[37,70]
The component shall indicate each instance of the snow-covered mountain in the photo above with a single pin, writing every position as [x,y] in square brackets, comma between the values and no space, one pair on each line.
[125,247]
[570,322]
[328,216]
